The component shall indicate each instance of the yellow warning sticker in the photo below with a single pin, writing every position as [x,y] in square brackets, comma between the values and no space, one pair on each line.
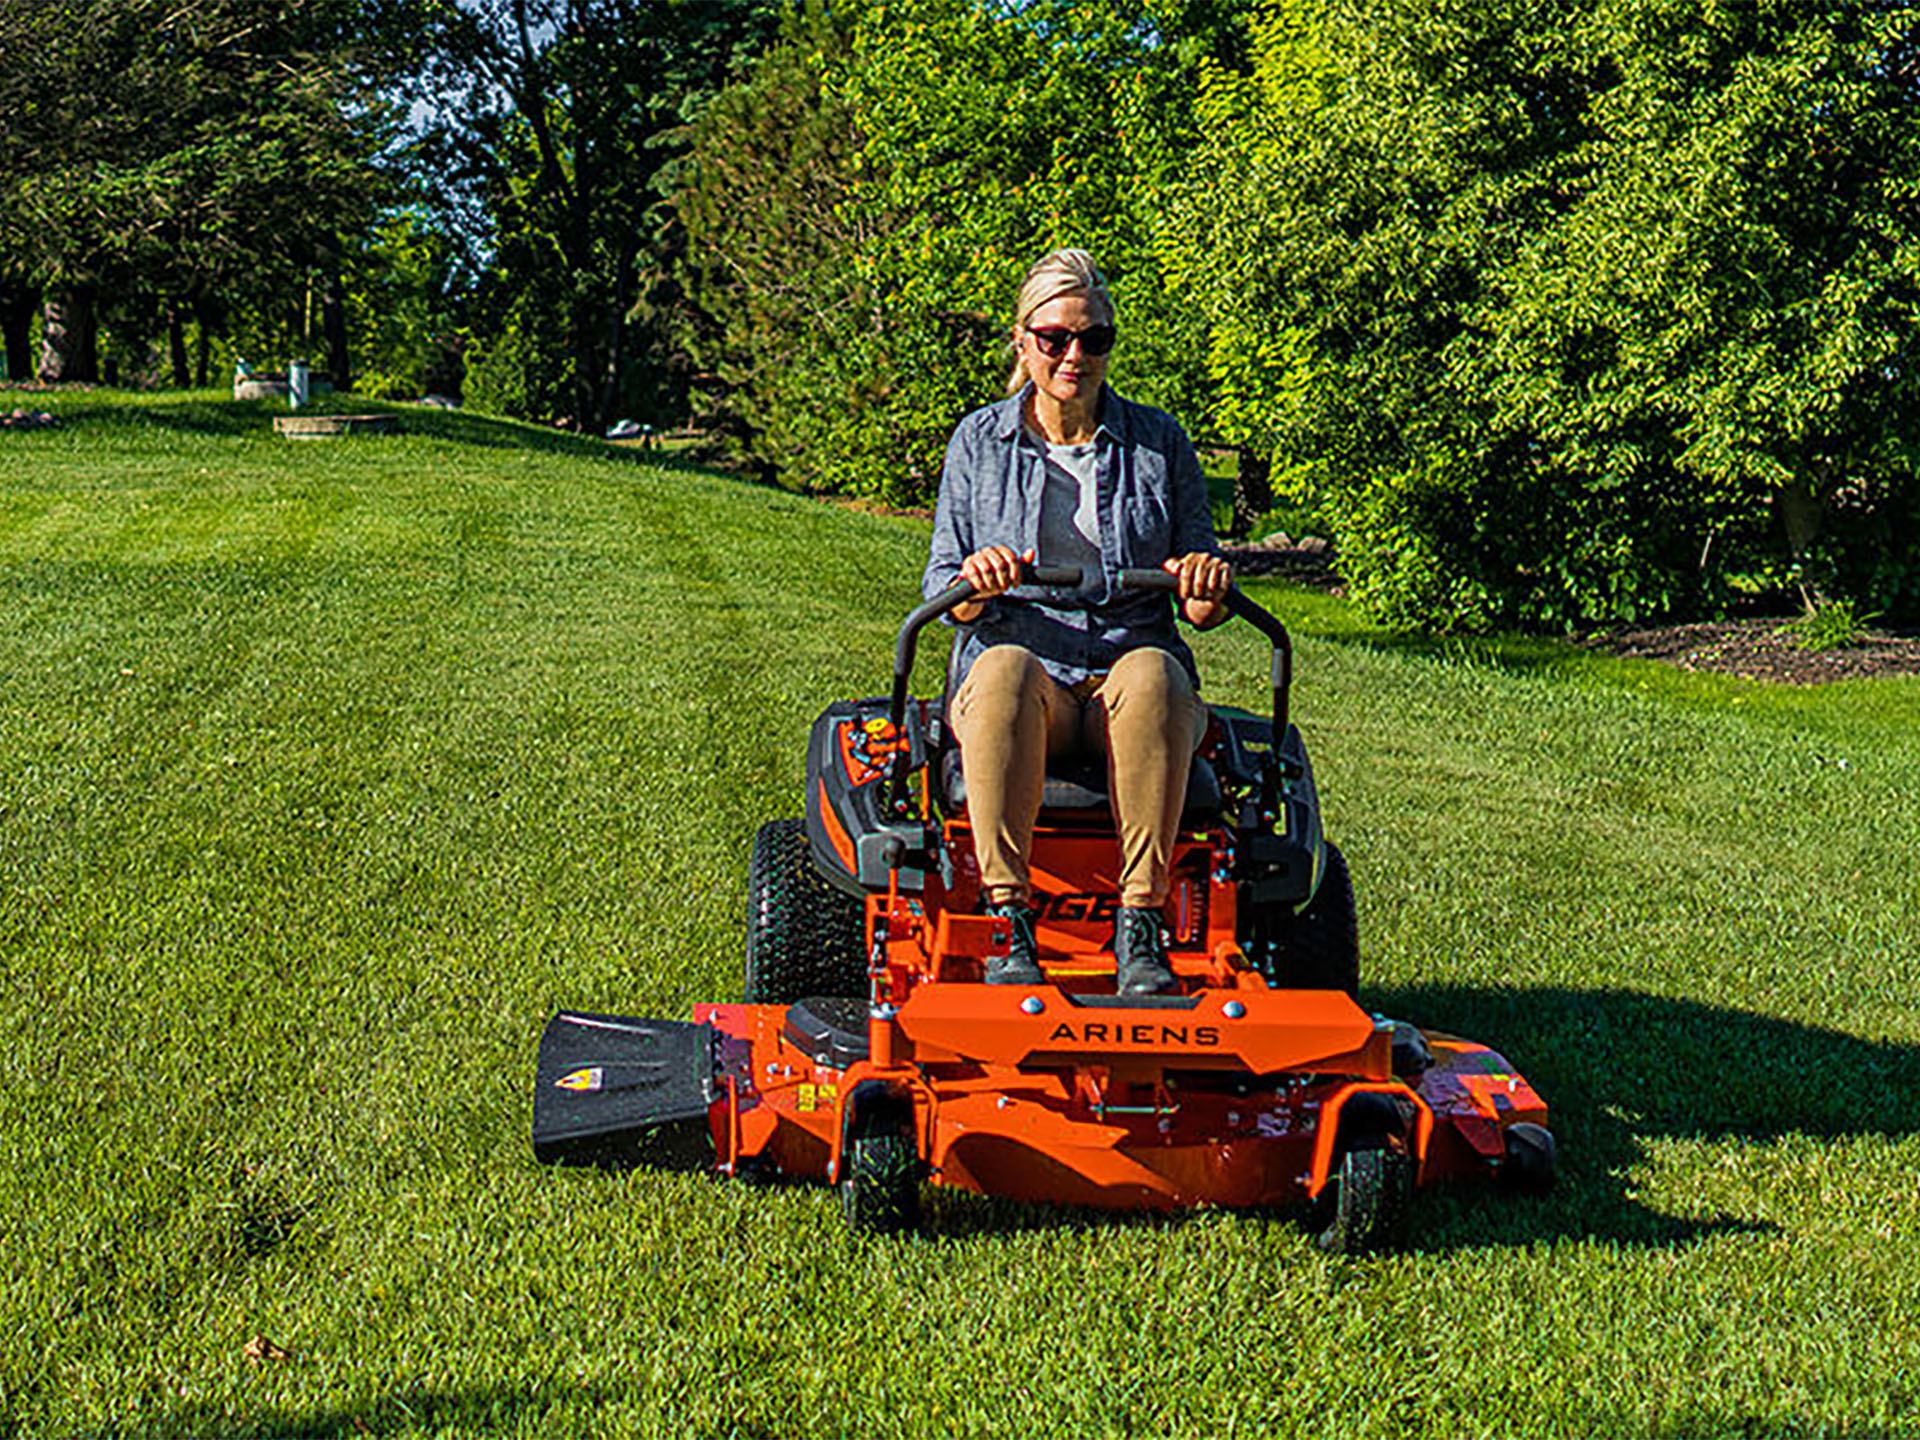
[591,1078]
[804,1102]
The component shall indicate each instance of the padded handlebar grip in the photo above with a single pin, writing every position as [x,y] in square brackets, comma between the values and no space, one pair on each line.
[1148,580]
[1054,574]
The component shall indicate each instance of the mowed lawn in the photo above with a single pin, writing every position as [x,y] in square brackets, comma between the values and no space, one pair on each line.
[329,770]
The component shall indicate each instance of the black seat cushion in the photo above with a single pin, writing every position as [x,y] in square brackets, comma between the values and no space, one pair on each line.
[1082,787]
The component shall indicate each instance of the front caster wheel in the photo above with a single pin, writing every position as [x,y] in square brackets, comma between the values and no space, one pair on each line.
[1532,1160]
[1364,1208]
[880,1182]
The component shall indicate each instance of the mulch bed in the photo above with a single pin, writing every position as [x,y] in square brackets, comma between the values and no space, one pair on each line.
[1310,562]
[1753,649]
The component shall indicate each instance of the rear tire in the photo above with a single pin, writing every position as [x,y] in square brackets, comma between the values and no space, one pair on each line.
[880,1189]
[1318,947]
[803,936]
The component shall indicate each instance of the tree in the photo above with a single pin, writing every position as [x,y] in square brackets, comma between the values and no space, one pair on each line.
[770,300]
[403,297]
[1730,303]
[924,153]
[571,112]
[1559,310]
[179,155]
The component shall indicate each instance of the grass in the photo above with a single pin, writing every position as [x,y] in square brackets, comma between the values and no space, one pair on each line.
[328,771]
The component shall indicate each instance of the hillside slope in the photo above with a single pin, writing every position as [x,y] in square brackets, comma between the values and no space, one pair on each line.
[328,771]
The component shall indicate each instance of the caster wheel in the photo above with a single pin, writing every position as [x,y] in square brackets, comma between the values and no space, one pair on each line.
[1532,1161]
[880,1183]
[1366,1202]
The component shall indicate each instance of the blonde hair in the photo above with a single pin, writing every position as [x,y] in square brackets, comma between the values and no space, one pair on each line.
[1063,272]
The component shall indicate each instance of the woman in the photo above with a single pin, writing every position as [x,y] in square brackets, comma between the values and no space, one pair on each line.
[1066,472]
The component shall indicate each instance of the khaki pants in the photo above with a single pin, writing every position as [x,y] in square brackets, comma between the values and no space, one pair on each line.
[1010,716]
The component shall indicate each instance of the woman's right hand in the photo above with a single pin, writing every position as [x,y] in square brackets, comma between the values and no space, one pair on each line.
[992,570]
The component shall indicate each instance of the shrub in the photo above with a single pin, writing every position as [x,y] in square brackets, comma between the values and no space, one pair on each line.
[1827,625]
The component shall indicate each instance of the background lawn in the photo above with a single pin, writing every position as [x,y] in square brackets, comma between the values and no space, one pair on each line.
[328,771]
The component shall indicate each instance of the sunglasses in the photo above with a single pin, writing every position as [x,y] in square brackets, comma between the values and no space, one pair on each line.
[1055,341]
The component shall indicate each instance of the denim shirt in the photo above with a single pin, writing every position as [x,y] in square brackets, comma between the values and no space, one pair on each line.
[1153,507]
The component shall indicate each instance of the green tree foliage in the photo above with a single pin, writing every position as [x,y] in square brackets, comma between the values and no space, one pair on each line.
[570,117]
[1577,313]
[403,307]
[770,258]
[1731,304]
[900,167]
[174,156]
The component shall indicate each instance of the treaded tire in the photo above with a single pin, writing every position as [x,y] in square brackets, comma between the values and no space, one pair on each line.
[1367,1210]
[1319,947]
[880,1190]
[804,937]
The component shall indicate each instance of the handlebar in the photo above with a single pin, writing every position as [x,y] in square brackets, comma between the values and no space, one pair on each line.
[1072,576]
[1257,616]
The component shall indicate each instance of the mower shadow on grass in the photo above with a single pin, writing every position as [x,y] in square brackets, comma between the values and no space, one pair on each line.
[406,1411]
[1620,1068]
[958,1216]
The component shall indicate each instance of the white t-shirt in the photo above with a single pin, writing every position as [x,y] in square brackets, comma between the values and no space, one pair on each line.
[1070,511]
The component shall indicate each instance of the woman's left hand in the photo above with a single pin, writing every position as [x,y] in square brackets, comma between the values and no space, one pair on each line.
[1204,582]
[1202,576]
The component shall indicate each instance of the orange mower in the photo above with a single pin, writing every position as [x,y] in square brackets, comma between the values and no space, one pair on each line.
[869,1054]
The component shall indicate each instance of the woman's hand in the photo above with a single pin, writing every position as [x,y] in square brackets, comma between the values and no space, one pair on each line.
[992,570]
[1204,582]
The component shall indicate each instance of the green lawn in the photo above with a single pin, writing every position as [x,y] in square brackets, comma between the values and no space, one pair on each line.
[329,770]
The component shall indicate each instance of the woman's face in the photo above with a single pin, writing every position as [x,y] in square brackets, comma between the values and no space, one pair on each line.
[1073,377]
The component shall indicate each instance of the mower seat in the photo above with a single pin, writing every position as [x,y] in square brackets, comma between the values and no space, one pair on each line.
[1077,791]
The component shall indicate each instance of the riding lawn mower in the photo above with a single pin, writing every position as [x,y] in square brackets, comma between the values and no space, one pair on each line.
[868,1053]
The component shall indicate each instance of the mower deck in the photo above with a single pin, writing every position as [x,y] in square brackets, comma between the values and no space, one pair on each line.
[1227,1096]
[1230,1098]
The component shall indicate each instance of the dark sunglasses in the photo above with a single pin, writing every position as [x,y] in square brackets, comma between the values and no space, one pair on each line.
[1054,341]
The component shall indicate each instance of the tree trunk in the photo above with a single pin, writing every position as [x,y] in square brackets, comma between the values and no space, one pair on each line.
[16,318]
[586,367]
[616,372]
[333,312]
[1801,515]
[1252,489]
[177,346]
[206,317]
[69,341]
